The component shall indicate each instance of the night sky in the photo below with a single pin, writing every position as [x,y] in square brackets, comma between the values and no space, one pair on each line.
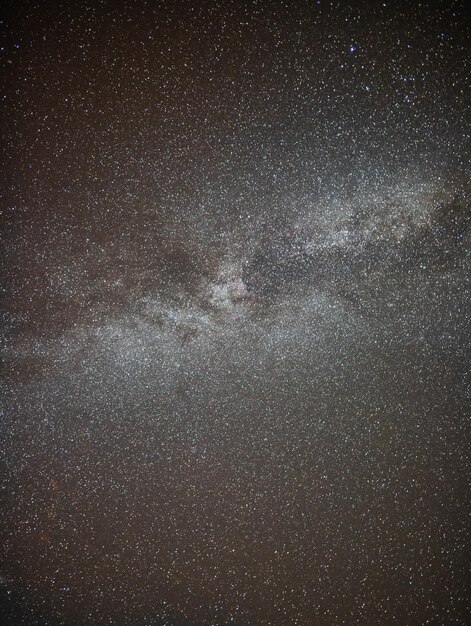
[237,313]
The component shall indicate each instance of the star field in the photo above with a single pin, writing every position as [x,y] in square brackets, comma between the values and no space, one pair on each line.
[236,332]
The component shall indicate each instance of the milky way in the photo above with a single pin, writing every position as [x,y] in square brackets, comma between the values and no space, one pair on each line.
[236,313]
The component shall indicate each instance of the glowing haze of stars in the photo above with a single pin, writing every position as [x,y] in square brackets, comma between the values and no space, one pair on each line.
[236,313]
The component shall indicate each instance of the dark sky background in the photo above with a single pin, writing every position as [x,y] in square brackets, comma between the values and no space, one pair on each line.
[236,313]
